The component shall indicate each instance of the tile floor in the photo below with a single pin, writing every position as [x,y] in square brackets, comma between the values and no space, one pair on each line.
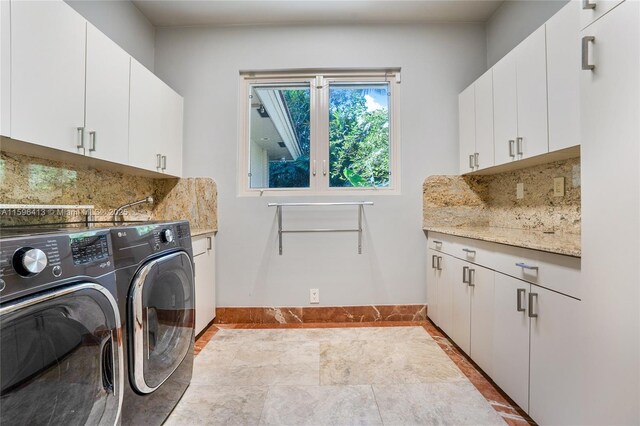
[337,375]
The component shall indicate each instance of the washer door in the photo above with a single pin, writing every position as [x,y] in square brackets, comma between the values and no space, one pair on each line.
[62,358]
[162,311]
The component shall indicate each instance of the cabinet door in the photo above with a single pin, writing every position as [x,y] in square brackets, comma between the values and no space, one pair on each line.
[505,113]
[563,77]
[107,99]
[48,41]
[5,69]
[484,120]
[531,71]
[555,375]
[610,152]
[594,9]
[445,294]
[511,338]
[205,286]
[432,286]
[461,291]
[173,132]
[146,138]
[482,312]
[155,123]
[467,129]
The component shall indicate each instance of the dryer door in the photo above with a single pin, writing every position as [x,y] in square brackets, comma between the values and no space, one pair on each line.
[162,327]
[61,358]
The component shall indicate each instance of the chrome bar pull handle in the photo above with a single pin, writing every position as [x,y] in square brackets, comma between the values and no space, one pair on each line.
[512,148]
[519,144]
[519,294]
[80,137]
[439,267]
[158,161]
[471,161]
[586,5]
[476,156]
[585,52]
[525,266]
[437,242]
[469,251]
[472,277]
[209,243]
[92,141]
[164,162]
[465,271]
[531,313]
[433,261]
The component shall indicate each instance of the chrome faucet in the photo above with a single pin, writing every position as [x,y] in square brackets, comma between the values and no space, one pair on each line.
[119,210]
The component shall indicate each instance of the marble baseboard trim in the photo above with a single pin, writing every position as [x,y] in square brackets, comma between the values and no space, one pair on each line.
[333,314]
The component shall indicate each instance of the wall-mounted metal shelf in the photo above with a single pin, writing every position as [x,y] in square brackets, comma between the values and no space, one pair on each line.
[280,206]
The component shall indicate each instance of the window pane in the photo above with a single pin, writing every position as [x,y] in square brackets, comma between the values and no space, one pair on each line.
[359,135]
[279,136]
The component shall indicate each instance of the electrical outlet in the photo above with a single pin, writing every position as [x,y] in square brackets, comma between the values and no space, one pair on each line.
[558,187]
[314,296]
[520,191]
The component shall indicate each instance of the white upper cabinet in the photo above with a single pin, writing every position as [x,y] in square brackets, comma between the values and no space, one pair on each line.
[107,99]
[505,109]
[531,75]
[155,129]
[563,77]
[484,120]
[467,129]
[47,74]
[5,69]
[592,10]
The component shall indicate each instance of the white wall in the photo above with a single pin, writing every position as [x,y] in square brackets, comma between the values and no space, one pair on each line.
[123,23]
[513,21]
[437,62]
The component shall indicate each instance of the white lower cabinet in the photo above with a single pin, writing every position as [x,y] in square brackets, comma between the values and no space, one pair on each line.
[524,336]
[511,338]
[461,307]
[205,280]
[482,320]
[555,382]
[432,285]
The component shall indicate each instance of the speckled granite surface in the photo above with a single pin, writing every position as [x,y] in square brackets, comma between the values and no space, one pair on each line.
[29,180]
[486,207]
[558,242]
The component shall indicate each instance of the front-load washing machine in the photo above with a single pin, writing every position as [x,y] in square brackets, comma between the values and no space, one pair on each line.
[61,354]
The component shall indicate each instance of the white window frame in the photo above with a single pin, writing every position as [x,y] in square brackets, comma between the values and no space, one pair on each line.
[319,81]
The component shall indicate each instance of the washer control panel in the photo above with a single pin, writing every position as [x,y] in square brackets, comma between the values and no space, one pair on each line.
[40,261]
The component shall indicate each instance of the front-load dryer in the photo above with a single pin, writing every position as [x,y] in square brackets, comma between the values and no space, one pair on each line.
[155,280]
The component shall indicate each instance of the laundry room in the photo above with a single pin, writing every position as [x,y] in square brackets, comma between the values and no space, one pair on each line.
[319,212]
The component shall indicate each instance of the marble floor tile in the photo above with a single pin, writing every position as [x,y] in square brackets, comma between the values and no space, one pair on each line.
[219,405]
[276,353]
[380,362]
[456,404]
[320,405]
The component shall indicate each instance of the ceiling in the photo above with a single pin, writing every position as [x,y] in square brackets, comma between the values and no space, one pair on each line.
[164,13]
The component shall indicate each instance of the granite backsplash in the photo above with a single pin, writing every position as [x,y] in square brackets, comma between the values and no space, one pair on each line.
[30,180]
[491,200]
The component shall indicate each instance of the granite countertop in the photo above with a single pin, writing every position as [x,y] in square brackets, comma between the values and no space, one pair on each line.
[558,242]
[195,232]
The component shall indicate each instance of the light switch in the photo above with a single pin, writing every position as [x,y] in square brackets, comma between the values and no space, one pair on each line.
[558,187]
[520,191]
